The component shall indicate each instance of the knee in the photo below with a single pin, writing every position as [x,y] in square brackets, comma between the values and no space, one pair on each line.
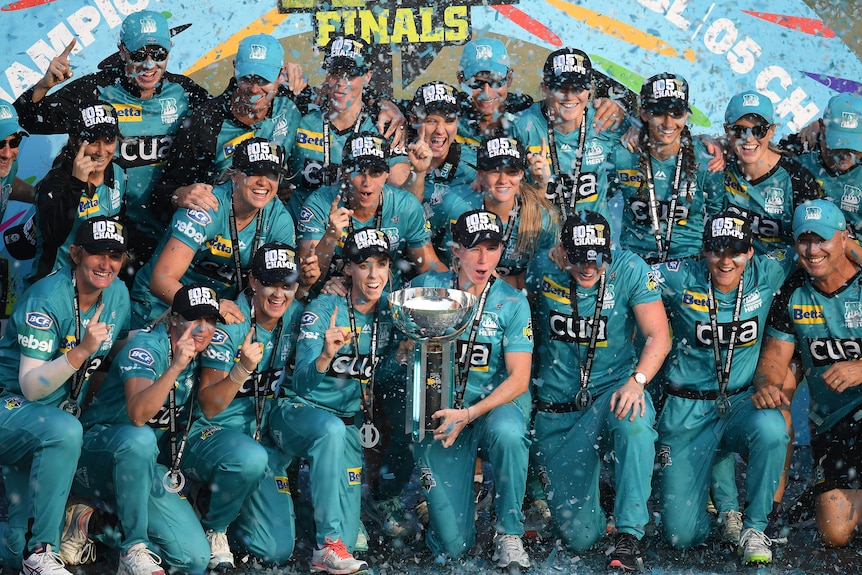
[63,431]
[133,442]
[770,433]
[680,535]
[832,536]
[193,558]
[509,436]
[331,432]
[253,460]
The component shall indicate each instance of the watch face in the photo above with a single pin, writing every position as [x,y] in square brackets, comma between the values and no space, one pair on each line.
[640,378]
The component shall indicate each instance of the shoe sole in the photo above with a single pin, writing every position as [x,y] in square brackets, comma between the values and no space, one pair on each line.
[617,564]
[323,569]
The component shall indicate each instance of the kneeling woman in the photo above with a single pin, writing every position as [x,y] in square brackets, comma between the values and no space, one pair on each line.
[342,341]
[493,383]
[135,435]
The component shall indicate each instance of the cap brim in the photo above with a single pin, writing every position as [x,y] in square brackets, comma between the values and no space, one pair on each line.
[581,254]
[837,139]
[823,231]
[99,131]
[345,64]
[557,82]
[273,277]
[661,106]
[363,163]
[100,246]
[201,311]
[10,129]
[724,243]
[500,162]
[484,236]
[268,73]
[491,67]
[365,253]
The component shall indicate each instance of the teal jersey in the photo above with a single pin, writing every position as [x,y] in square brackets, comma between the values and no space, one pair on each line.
[531,129]
[514,260]
[444,205]
[338,390]
[826,328]
[843,189]
[700,195]
[223,353]
[564,340]
[42,326]
[306,163]
[208,234]
[147,127]
[691,363]
[402,220]
[505,326]
[146,355]
[6,187]
[770,201]
[455,175]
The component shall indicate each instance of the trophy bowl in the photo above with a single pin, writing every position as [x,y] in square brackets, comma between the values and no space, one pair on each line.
[432,313]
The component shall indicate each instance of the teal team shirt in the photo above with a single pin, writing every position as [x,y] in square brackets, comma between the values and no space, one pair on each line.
[42,326]
[338,389]
[505,326]
[844,189]
[223,353]
[701,195]
[563,339]
[684,284]
[826,328]
[530,127]
[455,175]
[208,234]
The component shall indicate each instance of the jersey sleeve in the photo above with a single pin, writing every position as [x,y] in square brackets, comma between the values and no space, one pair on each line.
[518,334]
[223,351]
[314,216]
[417,227]
[39,330]
[309,345]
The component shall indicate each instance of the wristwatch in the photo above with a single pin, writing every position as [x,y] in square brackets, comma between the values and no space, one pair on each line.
[640,378]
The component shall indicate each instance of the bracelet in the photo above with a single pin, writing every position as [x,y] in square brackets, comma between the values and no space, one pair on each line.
[469,419]
[238,373]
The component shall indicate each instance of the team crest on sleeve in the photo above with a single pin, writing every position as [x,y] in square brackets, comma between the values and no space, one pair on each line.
[219,337]
[13,402]
[39,320]
[305,215]
[141,356]
[198,217]
[652,281]
[308,318]
[528,331]
[426,479]
[673,266]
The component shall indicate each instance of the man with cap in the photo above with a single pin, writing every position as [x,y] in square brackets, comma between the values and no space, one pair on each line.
[258,102]
[666,187]
[363,198]
[591,399]
[85,182]
[60,332]
[485,74]
[717,305]
[135,433]
[347,107]
[215,247]
[345,345]
[562,137]
[11,135]
[227,453]
[817,312]
[492,405]
[151,104]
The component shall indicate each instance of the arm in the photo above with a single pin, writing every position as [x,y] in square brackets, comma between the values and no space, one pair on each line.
[772,367]
[218,388]
[425,259]
[169,269]
[21,191]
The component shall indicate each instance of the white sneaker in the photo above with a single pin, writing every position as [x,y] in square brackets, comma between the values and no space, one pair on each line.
[43,562]
[76,547]
[220,555]
[510,549]
[754,547]
[334,558]
[140,561]
[731,526]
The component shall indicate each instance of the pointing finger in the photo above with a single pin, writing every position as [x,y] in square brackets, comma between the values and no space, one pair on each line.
[98,313]
[68,50]
[332,319]
[81,150]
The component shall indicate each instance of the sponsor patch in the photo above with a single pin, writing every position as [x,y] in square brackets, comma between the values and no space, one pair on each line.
[39,320]
[281,484]
[308,318]
[219,337]
[354,476]
[142,356]
[198,217]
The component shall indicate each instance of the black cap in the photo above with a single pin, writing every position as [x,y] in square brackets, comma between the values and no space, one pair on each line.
[348,53]
[586,236]
[20,240]
[435,97]
[257,156]
[94,120]
[365,243]
[477,226]
[364,150]
[664,92]
[196,301]
[496,152]
[101,234]
[728,230]
[567,67]
[274,262]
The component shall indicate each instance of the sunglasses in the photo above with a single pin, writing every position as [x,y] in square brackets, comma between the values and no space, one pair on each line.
[759,131]
[13,143]
[495,82]
[675,113]
[157,53]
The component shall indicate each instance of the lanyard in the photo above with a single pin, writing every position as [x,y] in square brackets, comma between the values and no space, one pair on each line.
[663,245]
[327,145]
[174,480]
[583,398]
[559,197]
[378,215]
[366,395]
[722,371]
[462,371]
[71,404]
[234,240]
[510,228]
[258,374]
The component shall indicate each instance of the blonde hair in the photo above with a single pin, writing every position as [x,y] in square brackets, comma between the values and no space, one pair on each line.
[534,205]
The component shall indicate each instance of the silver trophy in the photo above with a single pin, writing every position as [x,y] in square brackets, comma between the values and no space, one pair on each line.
[433,318]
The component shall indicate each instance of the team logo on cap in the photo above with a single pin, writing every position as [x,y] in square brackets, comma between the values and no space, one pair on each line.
[148,26]
[565,63]
[367,146]
[108,230]
[750,100]
[589,235]
[849,120]
[344,47]
[481,222]
[202,296]
[95,115]
[484,52]
[503,147]
[279,259]
[257,52]
[370,238]
[813,213]
[727,228]
[438,93]
[5,112]
[668,88]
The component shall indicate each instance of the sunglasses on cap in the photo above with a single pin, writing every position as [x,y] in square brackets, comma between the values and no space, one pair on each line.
[759,131]
[495,81]
[13,143]
[157,53]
